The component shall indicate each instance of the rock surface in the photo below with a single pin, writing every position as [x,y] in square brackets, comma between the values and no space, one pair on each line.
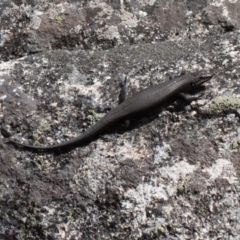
[173,174]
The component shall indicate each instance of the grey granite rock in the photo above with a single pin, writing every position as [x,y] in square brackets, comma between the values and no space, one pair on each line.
[173,174]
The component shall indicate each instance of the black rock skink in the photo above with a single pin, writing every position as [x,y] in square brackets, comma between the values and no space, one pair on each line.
[140,102]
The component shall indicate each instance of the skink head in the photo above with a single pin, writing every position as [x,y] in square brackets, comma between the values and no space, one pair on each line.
[200,78]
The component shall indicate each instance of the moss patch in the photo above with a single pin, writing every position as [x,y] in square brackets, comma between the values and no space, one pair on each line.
[224,104]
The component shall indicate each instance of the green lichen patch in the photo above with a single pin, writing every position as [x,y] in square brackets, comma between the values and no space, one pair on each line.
[161,230]
[58,19]
[44,127]
[224,104]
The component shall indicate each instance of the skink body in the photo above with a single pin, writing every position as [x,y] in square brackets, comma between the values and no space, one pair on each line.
[140,102]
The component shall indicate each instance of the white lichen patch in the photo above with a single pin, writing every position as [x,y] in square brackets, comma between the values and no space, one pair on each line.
[6,67]
[129,20]
[147,2]
[36,20]
[222,168]
[76,83]
[179,170]
[217,3]
[4,36]
[146,194]
[137,200]
[111,33]
[161,153]
[128,150]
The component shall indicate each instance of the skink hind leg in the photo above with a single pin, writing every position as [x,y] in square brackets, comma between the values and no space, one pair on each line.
[124,90]
[123,96]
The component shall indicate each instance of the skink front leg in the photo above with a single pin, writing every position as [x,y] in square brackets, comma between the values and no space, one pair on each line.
[189,98]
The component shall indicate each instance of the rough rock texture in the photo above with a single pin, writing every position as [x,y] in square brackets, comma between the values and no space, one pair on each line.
[173,174]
